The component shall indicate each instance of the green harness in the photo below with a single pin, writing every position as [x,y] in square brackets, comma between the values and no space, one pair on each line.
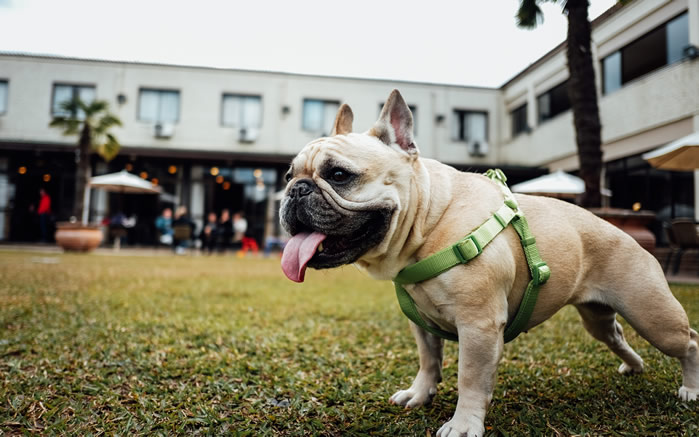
[470,247]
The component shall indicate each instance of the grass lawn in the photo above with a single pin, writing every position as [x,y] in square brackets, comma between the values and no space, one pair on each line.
[94,345]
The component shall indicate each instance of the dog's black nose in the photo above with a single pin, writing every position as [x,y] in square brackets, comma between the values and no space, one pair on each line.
[302,187]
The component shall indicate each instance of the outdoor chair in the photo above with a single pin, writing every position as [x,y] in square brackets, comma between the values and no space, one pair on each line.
[682,236]
[182,236]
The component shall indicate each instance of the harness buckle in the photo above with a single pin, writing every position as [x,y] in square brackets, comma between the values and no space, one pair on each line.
[541,273]
[467,249]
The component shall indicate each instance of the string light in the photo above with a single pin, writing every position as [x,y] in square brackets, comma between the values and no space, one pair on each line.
[22,170]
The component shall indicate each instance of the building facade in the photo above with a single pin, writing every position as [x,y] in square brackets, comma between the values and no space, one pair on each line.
[217,139]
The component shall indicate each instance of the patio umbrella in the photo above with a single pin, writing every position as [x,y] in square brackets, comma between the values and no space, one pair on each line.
[124,182]
[557,184]
[680,155]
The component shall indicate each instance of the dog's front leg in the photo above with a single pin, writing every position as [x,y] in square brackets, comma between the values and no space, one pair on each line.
[480,350]
[424,386]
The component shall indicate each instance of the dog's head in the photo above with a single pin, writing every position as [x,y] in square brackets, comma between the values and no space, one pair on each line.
[344,191]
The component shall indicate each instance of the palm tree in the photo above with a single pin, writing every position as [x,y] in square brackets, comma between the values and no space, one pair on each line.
[581,89]
[91,123]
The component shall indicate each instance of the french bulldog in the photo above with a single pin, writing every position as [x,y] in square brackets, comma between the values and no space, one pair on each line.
[370,199]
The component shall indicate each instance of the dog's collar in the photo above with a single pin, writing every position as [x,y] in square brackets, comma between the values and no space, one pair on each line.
[470,247]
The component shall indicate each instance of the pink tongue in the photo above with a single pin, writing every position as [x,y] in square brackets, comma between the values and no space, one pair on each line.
[297,252]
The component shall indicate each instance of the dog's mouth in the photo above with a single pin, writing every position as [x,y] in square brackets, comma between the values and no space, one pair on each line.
[318,250]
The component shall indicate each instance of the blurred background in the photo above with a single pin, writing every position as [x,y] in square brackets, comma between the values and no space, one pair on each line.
[215,98]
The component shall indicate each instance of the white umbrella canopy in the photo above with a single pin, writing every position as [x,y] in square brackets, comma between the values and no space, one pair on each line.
[680,155]
[559,183]
[124,182]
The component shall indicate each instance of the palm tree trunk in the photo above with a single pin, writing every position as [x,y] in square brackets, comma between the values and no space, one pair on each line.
[81,177]
[583,99]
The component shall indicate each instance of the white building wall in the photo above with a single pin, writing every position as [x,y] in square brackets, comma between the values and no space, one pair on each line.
[199,128]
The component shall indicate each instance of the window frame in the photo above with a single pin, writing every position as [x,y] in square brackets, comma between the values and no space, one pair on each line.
[5,104]
[160,91]
[620,52]
[75,86]
[325,102]
[461,118]
[523,108]
[540,119]
[244,96]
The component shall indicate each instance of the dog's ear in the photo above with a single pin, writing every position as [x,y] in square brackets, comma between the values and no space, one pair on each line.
[343,121]
[395,124]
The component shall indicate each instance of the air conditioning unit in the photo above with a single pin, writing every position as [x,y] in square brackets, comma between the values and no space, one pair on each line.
[248,134]
[478,148]
[164,130]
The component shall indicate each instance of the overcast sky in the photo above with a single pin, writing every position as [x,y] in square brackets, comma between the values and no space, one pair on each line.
[464,42]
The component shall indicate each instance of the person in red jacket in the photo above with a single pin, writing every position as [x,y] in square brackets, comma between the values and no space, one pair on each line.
[44,212]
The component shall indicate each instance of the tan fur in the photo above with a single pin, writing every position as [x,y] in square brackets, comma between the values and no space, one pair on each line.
[595,266]
[343,121]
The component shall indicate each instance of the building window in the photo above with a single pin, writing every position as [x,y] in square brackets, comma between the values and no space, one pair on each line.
[661,46]
[241,111]
[413,109]
[470,126]
[159,106]
[65,93]
[319,115]
[518,118]
[553,102]
[3,96]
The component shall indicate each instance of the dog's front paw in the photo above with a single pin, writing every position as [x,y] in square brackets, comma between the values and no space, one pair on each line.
[688,394]
[413,397]
[462,428]
[627,369]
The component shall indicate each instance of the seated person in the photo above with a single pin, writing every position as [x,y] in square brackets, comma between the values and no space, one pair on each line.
[209,235]
[183,230]
[163,224]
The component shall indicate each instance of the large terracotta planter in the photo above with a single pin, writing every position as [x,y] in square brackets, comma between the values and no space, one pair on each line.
[634,223]
[77,237]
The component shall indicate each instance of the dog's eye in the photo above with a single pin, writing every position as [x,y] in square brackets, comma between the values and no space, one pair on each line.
[288,176]
[339,175]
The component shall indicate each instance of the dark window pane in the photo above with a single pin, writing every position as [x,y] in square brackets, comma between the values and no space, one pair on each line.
[644,55]
[553,102]
[519,120]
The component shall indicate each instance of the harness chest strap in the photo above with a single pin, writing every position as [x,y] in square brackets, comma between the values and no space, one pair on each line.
[470,247]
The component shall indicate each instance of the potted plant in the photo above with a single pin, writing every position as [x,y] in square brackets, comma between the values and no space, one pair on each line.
[91,123]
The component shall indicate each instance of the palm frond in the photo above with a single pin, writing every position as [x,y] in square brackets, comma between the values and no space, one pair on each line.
[529,14]
[110,148]
[93,118]
[95,107]
[69,125]
[107,122]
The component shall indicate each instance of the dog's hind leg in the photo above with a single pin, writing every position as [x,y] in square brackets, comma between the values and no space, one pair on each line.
[424,387]
[658,317]
[600,321]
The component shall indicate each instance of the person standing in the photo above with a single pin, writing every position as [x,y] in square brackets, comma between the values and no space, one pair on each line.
[44,212]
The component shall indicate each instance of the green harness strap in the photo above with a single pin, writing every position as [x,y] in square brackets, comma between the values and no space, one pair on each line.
[470,247]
